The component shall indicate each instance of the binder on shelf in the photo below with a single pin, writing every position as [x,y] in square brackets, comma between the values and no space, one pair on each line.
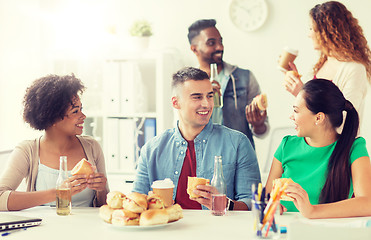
[133,91]
[111,99]
[111,136]
[145,130]
[126,145]
[149,129]
[126,88]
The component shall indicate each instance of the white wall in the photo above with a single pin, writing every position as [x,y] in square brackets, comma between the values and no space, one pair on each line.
[26,50]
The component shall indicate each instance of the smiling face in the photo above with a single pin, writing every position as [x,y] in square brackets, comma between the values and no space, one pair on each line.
[194,102]
[72,123]
[304,119]
[208,46]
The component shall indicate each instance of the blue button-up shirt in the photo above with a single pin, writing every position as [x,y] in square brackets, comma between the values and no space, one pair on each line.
[162,157]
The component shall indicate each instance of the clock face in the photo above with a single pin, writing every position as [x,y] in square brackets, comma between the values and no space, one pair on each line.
[248,15]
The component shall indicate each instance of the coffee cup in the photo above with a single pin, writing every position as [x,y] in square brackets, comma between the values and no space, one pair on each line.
[288,55]
[164,188]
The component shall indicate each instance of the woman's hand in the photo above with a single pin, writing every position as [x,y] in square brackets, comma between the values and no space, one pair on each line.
[301,199]
[97,181]
[282,209]
[292,83]
[78,183]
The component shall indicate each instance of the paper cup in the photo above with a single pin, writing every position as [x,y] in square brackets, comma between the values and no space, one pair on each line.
[288,55]
[164,188]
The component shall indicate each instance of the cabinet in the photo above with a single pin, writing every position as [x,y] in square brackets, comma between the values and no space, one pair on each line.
[136,104]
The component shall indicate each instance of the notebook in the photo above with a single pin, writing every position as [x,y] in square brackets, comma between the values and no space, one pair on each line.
[10,222]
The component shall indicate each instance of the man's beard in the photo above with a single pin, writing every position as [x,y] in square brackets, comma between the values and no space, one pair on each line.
[213,59]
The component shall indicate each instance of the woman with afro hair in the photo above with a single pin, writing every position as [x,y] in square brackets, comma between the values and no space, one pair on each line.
[52,105]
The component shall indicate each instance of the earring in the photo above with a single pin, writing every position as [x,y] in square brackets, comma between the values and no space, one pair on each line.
[316,123]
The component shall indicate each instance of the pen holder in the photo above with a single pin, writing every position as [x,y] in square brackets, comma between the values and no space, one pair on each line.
[265,224]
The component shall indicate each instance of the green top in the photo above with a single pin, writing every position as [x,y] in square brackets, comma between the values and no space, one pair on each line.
[307,165]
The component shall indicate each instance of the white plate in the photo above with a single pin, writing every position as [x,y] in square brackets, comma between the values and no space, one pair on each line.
[137,227]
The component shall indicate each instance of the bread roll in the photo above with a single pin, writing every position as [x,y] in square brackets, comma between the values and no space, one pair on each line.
[153,217]
[261,101]
[115,199]
[175,212]
[105,212]
[82,167]
[155,201]
[123,217]
[279,183]
[135,202]
[192,185]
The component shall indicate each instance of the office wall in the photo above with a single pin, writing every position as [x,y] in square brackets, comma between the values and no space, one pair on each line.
[27,52]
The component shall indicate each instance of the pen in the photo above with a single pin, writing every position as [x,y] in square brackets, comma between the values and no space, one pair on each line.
[12,231]
[262,197]
[259,191]
[261,214]
[253,190]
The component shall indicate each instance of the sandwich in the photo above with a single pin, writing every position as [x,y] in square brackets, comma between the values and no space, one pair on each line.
[279,185]
[193,182]
[153,217]
[294,73]
[175,212]
[261,101]
[115,199]
[123,217]
[135,202]
[83,167]
[155,201]
[105,212]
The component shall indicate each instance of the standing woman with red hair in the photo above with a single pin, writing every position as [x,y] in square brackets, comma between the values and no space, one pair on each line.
[345,57]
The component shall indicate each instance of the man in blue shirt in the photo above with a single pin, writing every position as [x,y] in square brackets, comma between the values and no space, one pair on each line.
[189,149]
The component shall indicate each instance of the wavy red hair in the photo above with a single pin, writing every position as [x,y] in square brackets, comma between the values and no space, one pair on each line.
[339,35]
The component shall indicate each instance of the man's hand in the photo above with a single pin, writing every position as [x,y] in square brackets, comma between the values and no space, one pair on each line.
[205,191]
[216,87]
[256,118]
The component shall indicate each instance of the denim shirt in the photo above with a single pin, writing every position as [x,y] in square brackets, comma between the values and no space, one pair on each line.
[240,91]
[162,157]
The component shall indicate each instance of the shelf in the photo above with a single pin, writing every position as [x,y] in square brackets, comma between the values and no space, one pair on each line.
[133,115]
[133,56]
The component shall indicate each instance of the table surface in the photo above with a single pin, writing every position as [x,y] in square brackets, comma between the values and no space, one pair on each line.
[85,223]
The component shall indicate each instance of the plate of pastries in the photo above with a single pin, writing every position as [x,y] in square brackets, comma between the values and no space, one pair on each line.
[136,210]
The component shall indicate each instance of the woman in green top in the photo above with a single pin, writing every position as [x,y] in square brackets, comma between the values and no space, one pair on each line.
[328,168]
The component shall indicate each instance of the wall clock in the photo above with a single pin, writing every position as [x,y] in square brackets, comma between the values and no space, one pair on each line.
[248,15]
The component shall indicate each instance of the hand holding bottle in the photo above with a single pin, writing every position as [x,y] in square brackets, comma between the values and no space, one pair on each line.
[216,87]
[218,101]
